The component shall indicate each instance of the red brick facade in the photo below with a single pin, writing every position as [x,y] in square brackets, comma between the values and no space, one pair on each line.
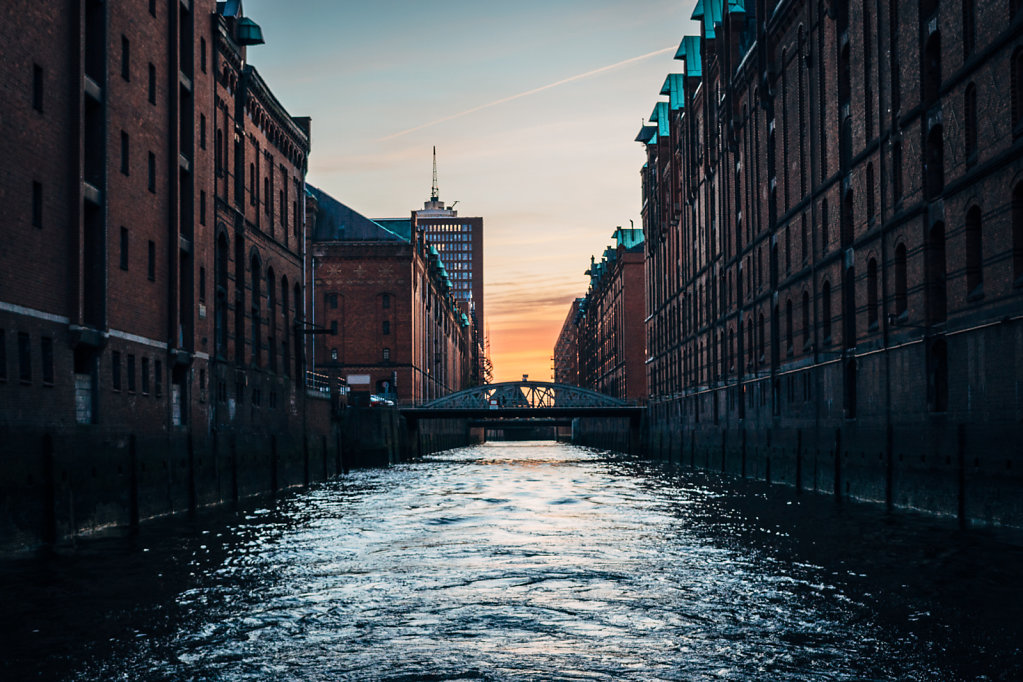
[566,348]
[392,323]
[124,126]
[832,215]
[610,328]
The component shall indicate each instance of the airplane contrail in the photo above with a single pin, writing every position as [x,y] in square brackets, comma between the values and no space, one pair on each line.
[570,79]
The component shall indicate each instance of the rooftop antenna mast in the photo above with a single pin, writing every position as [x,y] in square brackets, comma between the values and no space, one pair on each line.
[434,193]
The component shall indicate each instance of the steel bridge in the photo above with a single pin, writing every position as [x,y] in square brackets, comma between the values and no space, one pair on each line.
[518,404]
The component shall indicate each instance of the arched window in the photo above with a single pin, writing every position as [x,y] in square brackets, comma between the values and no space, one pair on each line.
[271,305]
[900,280]
[871,204]
[826,311]
[1016,88]
[1017,232]
[257,341]
[285,328]
[806,320]
[872,322]
[970,123]
[974,253]
[220,296]
[789,344]
[935,274]
[934,163]
[932,70]
[969,27]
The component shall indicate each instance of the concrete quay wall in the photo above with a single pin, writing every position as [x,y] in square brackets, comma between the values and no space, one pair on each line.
[57,484]
[970,472]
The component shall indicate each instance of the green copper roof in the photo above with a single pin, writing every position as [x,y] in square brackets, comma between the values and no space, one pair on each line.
[689,52]
[645,133]
[660,116]
[628,237]
[710,11]
[674,88]
[736,7]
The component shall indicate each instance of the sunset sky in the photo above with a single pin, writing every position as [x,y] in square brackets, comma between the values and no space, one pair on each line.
[533,107]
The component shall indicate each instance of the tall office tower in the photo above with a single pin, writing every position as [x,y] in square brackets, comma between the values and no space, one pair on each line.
[459,241]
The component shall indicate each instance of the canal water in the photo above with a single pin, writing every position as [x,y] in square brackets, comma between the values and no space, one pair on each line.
[524,561]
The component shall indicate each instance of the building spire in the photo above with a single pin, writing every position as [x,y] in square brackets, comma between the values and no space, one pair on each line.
[434,192]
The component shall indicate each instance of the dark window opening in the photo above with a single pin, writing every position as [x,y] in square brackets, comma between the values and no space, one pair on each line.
[125,59]
[974,253]
[24,358]
[387,327]
[47,358]
[115,370]
[130,369]
[37,87]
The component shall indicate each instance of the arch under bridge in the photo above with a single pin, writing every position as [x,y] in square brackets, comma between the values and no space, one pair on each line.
[518,404]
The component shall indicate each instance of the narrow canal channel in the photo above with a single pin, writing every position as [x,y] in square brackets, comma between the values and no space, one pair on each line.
[524,561]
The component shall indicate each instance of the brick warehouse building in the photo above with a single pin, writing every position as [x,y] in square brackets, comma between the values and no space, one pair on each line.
[610,324]
[566,349]
[149,197]
[388,302]
[833,210]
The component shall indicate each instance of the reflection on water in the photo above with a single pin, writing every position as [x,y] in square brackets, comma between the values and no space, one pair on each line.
[524,561]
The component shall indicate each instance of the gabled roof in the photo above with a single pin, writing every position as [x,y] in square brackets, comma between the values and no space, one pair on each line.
[645,133]
[711,12]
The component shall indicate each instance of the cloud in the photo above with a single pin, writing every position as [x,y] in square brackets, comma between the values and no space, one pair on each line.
[534,91]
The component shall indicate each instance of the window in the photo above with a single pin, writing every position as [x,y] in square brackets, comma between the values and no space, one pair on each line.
[333,327]
[872,294]
[900,280]
[125,59]
[387,354]
[202,207]
[332,301]
[969,27]
[970,123]
[152,7]
[1017,233]
[151,265]
[202,283]
[145,376]
[202,131]
[974,253]
[131,373]
[202,54]
[333,354]
[24,358]
[897,170]
[1016,88]
[387,327]
[124,248]
[151,182]
[932,70]
[47,357]
[125,153]
[871,204]
[152,83]
[37,204]
[268,201]
[826,311]
[115,370]
[252,184]
[158,378]
[37,87]
[806,320]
